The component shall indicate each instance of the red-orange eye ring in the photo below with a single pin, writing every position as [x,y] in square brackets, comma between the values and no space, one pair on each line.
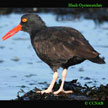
[24,20]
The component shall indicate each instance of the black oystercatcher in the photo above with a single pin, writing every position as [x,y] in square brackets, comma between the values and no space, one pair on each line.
[56,46]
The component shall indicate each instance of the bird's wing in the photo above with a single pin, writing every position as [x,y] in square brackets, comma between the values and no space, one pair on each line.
[81,46]
[64,44]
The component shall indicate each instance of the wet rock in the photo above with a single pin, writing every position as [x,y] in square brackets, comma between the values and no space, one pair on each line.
[1,61]
[81,69]
[81,77]
[29,63]
[103,78]
[30,75]
[2,47]
[16,59]
[89,82]
[87,78]
[80,93]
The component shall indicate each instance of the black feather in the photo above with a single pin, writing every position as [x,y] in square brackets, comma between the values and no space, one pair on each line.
[59,46]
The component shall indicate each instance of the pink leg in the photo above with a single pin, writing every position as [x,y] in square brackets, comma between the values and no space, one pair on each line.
[61,90]
[49,90]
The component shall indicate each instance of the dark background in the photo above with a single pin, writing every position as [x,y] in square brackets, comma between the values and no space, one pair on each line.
[98,15]
[48,3]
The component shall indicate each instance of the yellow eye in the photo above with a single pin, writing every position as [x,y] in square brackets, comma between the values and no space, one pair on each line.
[24,20]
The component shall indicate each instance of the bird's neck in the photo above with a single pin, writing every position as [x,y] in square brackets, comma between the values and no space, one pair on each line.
[33,32]
[36,30]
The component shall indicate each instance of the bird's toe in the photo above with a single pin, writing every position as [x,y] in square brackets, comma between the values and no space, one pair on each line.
[62,91]
[44,91]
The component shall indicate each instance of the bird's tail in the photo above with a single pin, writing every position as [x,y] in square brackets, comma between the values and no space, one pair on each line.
[98,60]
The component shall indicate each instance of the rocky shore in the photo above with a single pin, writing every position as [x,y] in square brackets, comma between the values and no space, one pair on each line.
[80,93]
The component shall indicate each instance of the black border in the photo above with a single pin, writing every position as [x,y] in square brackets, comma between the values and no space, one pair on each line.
[63,103]
[48,3]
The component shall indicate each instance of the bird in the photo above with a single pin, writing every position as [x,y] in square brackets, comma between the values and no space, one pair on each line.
[57,46]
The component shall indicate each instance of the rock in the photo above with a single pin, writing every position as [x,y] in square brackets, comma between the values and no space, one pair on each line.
[80,93]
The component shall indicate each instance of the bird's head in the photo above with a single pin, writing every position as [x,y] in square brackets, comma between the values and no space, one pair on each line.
[29,23]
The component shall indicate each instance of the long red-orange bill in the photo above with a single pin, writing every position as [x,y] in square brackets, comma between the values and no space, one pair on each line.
[12,32]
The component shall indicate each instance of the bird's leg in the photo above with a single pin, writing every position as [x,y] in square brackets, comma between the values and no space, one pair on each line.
[61,90]
[49,89]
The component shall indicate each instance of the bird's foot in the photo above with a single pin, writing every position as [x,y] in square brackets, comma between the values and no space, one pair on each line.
[62,91]
[44,91]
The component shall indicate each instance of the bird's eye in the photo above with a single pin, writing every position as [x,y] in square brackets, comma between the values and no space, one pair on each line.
[24,20]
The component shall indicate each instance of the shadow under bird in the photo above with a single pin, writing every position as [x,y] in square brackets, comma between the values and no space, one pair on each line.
[57,46]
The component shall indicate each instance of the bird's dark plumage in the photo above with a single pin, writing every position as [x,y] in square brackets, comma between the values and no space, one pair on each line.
[63,47]
[59,46]
[56,46]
